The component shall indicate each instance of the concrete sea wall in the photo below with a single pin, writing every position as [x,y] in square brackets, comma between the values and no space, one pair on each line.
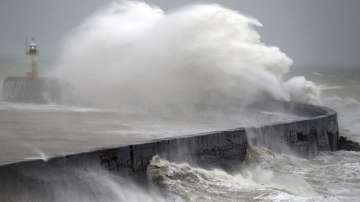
[305,137]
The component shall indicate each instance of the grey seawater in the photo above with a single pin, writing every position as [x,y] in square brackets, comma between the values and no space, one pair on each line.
[42,131]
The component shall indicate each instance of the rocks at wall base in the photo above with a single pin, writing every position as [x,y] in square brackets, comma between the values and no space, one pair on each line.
[348,145]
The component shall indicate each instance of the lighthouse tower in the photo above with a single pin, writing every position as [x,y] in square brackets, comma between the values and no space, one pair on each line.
[31,88]
[32,52]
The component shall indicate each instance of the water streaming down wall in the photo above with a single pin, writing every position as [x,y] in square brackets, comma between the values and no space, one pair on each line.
[31,90]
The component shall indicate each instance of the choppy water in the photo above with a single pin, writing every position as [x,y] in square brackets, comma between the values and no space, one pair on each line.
[266,176]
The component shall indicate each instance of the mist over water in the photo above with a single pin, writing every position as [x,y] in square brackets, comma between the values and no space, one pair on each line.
[88,183]
[131,54]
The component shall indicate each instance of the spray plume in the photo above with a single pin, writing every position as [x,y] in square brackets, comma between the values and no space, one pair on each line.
[131,54]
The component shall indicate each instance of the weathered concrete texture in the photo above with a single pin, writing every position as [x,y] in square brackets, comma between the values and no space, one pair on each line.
[304,137]
[31,90]
[211,149]
[203,149]
[207,149]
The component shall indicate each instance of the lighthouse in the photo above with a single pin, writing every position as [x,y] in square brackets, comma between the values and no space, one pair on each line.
[31,88]
[33,52]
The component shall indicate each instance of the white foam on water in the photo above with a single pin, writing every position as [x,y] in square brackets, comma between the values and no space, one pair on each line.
[265,176]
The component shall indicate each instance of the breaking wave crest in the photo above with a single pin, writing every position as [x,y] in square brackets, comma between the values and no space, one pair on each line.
[264,176]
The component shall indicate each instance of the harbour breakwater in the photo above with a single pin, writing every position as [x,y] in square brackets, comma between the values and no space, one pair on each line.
[31,90]
[305,137]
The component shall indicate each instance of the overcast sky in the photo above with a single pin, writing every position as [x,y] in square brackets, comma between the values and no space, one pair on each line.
[312,32]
